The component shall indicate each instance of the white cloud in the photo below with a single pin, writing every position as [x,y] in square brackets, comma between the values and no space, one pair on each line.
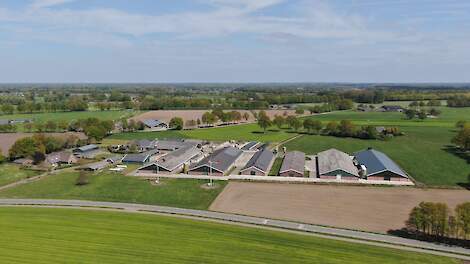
[36,4]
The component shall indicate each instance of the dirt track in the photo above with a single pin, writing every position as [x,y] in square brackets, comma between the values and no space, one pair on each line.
[167,115]
[375,209]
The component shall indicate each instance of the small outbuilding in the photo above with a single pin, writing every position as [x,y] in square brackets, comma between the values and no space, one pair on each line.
[95,166]
[155,125]
[293,165]
[376,165]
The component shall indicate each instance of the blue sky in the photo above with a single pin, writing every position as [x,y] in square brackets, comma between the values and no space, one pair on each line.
[234,41]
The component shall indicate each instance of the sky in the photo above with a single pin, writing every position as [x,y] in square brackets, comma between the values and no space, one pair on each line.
[126,41]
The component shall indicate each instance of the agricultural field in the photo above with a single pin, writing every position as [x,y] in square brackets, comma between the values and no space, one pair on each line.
[246,132]
[114,187]
[372,209]
[86,236]
[10,173]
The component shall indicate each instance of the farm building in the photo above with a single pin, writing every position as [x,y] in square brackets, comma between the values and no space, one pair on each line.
[392,108]
[335,164]
[155,125]
[95,166]
[250,146]
[293,165]
[218,163]
[174,144]
[375,165]
[23,162]
[115,159]
[140,158]
[88,151]
[259,164]
[62,157]
[174,162]
[143,145]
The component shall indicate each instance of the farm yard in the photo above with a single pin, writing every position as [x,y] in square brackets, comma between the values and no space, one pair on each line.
[86,236]
[374,209]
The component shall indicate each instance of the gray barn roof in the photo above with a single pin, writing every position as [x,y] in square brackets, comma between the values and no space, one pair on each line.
[221,160]
[333,159]
[86,148]
[153,123]
[376,162]
[177,158]
[173,144]
[96,165]
[250,145]
[139,158]
[261,160]
[145,143]
[293,161]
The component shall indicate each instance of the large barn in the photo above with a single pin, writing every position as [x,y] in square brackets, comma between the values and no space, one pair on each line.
[259,164]
[174,161]
[335,164]
[378,166]
[293,165]
[218,163]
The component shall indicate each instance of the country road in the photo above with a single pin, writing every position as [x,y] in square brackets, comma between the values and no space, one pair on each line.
[321,231]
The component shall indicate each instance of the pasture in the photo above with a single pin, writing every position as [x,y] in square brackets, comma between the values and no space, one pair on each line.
[52,235]
[114,187]
[373,209]
[10,173]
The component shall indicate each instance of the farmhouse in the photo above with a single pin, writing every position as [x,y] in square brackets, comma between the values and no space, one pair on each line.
[375,165]
[293,165]
[62,157]
[155,125]
[174,162]
[140,158]
[335,164]
[218,163]
[88,151]
[259,164]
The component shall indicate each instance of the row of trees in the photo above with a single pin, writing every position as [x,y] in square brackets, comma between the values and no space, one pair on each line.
[421,114]
[434,219]
[71,104]
[459,101]
[343,104]
[462,139]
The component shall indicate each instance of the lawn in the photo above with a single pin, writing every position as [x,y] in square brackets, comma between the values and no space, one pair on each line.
[118,188]
[10,173]
[248,132]
[276,167]
[56,235]
[422,153]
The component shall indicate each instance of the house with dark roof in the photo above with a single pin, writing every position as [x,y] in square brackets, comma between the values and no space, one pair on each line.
[218,163]
[61,158]
[293,164]
[140,158]
[392,108]
[376,165]
[87,152]
[335,164]
[260,163]
[155,125]
[173,162]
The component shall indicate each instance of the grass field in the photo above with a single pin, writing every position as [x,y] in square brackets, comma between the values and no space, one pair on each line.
[246,132]
[276,167]
[47,235]
[118,188]
[10,173]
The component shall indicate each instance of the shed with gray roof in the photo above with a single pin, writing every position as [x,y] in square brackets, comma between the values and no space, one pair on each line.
[335,164]
[293,165]
[140,158]
[153,124]
[174,161]
[95,166]
[218,163]
[260,163]
[378,166]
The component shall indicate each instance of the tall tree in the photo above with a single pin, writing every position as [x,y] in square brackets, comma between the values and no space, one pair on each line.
[263,120]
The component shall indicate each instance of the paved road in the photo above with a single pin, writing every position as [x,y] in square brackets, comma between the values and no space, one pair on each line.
[329,232]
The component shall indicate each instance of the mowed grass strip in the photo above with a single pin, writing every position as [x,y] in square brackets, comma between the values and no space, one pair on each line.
[10,173]
[184,193]
[422,152]
[247,132]
[55,235]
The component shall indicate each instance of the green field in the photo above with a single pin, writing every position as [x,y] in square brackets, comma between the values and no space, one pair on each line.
[54,235]
[246,132]
[69,116]
[10,173]
[118,188]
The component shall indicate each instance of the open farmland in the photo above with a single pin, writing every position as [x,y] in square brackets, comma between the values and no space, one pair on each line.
[10,173]
[84,236]
[374,209]
[111,187]
[69,116]
[8,139]
[245,132]
[167,115]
